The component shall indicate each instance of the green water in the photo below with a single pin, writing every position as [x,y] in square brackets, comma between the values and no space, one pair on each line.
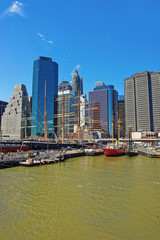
[82,199]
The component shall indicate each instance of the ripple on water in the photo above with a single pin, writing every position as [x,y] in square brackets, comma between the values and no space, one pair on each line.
[82,198]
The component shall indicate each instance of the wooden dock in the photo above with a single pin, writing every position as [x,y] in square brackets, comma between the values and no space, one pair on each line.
[148,151]
[13,160]
[38,158]
[148,154]
[58,157]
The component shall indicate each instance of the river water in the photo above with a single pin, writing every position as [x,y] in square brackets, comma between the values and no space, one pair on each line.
[82,198]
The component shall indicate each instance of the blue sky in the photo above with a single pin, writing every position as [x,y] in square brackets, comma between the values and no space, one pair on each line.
[108,40]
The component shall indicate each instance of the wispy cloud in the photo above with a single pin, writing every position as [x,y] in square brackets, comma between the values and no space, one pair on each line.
[78,66]
[44,38]
[15,8]
[40,35]
[50,42]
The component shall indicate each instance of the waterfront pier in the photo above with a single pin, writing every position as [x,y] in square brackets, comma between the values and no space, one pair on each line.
[39,158]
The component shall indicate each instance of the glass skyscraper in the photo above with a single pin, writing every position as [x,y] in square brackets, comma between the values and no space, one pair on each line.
[44,70]
[104,103]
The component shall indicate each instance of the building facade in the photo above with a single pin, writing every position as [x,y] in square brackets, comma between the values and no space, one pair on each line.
[14,119]
[155,86]
[84,112]
[45,71]
[66,110]
[2,108]
[77,83]
[142,98]
[64,85]
[121,117]
[104,103]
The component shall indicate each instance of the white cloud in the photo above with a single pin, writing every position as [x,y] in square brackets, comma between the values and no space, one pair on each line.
[78,66]
[43,38]
[15,8]
[50,42]
[40,35]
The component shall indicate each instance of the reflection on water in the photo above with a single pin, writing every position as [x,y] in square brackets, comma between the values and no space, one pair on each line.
[82,198]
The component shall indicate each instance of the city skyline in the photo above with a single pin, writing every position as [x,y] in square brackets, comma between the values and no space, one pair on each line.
[107,44]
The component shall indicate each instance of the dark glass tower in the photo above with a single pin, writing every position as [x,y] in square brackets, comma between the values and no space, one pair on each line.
[44,70]
[104,100]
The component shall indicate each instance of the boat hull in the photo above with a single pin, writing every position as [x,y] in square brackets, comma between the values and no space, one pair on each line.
[132,153]
[114,152]
[93,153]
[13,148]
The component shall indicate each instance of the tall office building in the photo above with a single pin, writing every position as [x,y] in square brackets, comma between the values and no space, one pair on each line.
[67,98]
[155,86]
[84,111]
[2,108]
[121,116]
[77,83]
[64,85]
[16,111]
[142,98]
[104,100]
[44,70]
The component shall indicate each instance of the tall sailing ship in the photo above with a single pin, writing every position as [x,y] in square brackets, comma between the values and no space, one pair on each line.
[114,149]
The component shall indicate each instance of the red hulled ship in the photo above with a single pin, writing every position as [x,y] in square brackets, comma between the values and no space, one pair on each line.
[13,148]
[114,151]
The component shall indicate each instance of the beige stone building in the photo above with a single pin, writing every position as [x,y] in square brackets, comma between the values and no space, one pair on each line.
[14,120]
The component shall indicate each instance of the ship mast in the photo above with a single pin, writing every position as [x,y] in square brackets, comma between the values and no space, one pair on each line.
[45,116]
[78,115]
[25,130]
[119,129]
[62,114]
[90,113]
[112,130]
